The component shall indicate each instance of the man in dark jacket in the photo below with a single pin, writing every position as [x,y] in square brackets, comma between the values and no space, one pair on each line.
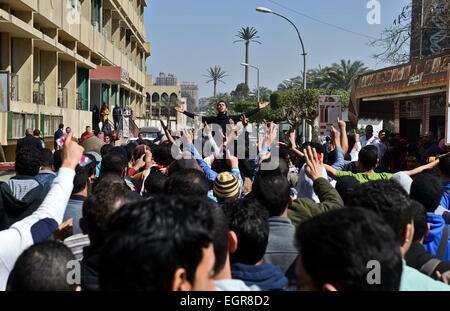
[21,195]
[249,221]
[58,134]
[28,141]
[117,116]
[95,119]
[222,117]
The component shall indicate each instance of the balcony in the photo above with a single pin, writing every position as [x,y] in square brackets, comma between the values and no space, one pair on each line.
[39,93]
[62,97]
[14,87]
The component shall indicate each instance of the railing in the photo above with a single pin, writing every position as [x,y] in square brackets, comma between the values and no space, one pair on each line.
[14,87]
[62,97]
[39,93]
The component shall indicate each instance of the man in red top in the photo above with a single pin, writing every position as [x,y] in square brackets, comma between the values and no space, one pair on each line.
[86,134]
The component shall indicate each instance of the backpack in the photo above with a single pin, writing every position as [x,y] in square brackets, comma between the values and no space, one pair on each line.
[431,264]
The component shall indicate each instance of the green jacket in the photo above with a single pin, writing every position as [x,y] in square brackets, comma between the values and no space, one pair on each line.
[303,208]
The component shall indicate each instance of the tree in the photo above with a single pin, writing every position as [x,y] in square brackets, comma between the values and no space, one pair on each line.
[215,75]
[170,104]
[411,24]
[211,108]
[247,35]
[240,93]
[265,115]
[264,94]
[342,75]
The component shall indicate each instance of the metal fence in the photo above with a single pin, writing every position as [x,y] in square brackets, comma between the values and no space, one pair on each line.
[39,93]
[62,97]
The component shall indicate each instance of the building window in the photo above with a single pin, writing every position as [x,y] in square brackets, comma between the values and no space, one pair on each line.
[96,14]
[20,122]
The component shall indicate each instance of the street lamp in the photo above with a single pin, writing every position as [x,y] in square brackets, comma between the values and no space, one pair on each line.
[266,10]
[257,69]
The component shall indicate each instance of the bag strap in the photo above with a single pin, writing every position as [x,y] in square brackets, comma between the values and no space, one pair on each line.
[444,241]
[429,266]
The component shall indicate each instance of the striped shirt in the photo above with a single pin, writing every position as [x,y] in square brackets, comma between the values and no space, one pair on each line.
[76,243]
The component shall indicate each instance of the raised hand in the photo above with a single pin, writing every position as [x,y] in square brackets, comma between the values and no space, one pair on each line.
[163,124]
[71,152]
[179,109]
[341,124]
[314,166]
[263,105]
[355,133]
[292,136]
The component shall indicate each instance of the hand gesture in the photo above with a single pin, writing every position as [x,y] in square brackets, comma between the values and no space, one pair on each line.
[187,136]
[355,133]
[292,139]
[64,231]
[244,120]
[71,152]
[342,125]
[335,136]
[139,163]
[163,124]
[179,109]
[148,158]
[263,105]
[314,166]
[207,129]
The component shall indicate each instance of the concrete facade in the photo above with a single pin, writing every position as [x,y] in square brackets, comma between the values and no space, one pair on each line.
[50,49]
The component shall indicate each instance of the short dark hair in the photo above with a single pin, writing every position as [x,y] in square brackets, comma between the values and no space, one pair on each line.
[420,220]
[155,182]
[337,246]
[92,165]
[163,154]
[36,132]
[368,157]
[427,189]
[188,182]
[98,208]
[113,163]
[249,220]
[444,164]
[130,149]
[220,236]
[80,179]
[345,186]
[60,126]
[42,267]
[46,157]
[57,159]
[105,149]
[28,161]
[388,199]
[272,190]
[143,242]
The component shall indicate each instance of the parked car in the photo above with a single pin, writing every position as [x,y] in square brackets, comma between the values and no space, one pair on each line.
[149,133]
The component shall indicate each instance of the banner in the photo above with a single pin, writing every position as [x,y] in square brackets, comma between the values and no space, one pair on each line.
[330,108]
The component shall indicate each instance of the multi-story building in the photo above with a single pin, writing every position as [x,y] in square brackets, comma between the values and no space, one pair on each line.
[63,57]
[169,80]
[191,89]
[160,103]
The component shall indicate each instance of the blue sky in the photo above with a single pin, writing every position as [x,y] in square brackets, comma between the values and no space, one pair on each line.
[187,37]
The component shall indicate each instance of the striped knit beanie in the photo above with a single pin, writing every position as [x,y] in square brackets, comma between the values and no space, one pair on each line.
[226,186]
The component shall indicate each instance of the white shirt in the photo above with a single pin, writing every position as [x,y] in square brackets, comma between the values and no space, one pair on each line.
[36,227]
[375,141]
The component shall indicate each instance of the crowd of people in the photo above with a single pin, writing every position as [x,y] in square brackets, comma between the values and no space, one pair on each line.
[360,212]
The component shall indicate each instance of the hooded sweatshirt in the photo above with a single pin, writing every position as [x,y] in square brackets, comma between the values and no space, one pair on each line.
[19,198]
[266,276]
[433,240]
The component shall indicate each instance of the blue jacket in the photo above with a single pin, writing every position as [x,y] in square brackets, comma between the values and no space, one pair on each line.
[445,201]
[432,241]
[268,277]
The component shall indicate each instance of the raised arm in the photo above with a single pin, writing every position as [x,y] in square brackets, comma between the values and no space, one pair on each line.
[344,139]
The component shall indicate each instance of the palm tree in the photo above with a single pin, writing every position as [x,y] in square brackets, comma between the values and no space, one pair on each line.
[341,76]
[215,75]
[247,35]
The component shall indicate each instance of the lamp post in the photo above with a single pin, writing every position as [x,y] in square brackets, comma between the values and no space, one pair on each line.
[266,10]
[257,84]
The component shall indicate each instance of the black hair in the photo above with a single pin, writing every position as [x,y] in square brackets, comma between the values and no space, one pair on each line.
[220,236]
[105,149]
[368,157]
[345,186]
[130,149]
[57,159]
[36,132]
[249,220]
[80,179]
[42,267]
[46,157]
[283,166]
[272,190]
[91,166]
[188,182]
[61,126]
[28,161]
[420,220]
[105,199]
[427,188]
[388,199]
[444,164]
[163,154]
[338,246]
[155,182]
[150,239]
[113,163]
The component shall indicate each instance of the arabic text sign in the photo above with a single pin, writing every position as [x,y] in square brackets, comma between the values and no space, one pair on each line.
[330,108]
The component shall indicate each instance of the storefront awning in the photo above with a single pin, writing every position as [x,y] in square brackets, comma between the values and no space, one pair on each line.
[110,75]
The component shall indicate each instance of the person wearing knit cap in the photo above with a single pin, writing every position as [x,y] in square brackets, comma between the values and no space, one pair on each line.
[226,187]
